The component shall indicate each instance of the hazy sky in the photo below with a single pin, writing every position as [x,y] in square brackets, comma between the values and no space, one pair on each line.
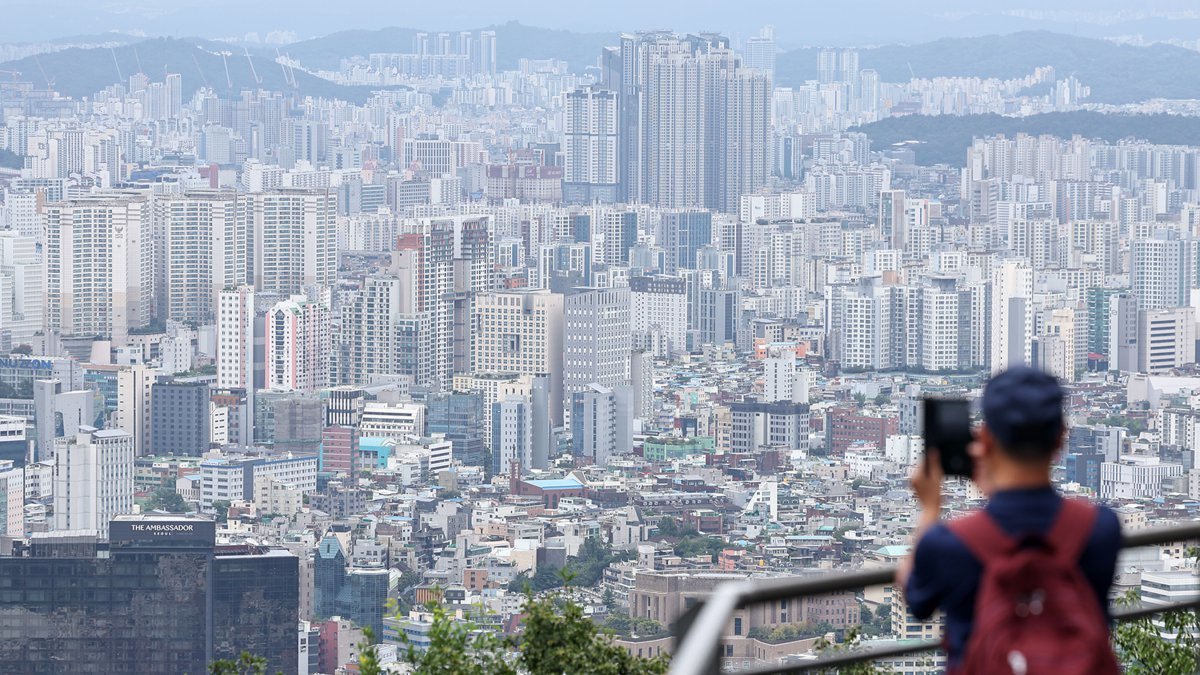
[797,21]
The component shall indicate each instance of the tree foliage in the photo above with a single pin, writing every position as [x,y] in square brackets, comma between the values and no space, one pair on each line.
[558,638]
[167,499]
[456,648]
[1167,644]
[246,664]
[584,570]
[944,139]
[790,631]
[696,544]
[852,642]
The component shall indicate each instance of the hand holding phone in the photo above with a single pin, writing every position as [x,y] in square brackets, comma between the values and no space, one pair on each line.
[948,431]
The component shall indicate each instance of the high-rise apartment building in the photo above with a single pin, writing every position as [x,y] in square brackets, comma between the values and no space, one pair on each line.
[760,51]
[590,146]
[299,343]
[1158,271]
[99,266]
[202,249]
[424,261]
[294,238]
[892,222]
[22,288]
[693,123]
[1011,314]
[237,328]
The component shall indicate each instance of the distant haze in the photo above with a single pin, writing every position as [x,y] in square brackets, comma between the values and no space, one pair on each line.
[798,22]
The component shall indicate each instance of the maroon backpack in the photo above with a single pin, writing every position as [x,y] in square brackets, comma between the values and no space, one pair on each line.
[1035,611]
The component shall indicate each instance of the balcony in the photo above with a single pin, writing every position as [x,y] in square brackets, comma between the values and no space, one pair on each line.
[700,630]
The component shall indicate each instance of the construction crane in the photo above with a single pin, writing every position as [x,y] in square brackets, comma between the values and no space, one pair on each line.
[200,70]
[289,76]
[225,57]
[120,76]
[49,82]
[16,74]
[252,70]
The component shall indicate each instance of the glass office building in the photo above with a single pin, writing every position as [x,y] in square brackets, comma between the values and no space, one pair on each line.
[159,597]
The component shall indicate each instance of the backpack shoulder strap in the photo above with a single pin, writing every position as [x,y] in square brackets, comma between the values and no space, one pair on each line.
[1071,530]
[982,536]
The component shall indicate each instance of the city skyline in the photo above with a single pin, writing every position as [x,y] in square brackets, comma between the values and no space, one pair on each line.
[307,335]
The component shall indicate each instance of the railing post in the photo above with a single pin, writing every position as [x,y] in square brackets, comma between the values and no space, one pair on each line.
[699,652]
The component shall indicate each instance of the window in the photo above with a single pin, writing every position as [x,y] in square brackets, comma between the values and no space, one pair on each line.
[737,627]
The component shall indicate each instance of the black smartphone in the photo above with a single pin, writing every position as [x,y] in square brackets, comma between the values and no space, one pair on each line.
[948,429]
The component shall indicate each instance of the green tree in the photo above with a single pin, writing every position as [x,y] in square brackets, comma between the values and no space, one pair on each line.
[609,600]
[246,664]
[167,499]
[455,648]
[852,642]
[619,623]
[645,627]
[222,508]
[1172,648]
[558,639]
[694,545]
[668,526]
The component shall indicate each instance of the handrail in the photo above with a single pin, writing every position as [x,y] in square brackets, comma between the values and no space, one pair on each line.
[701,629]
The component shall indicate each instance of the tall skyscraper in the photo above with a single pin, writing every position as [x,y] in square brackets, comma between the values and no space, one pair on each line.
[135,393]
[512,434]
[487,52]
[369,333]
[237,329]
[424,261]
[180,420]
[892,223]
[694,124]
[590,146]
[659,314]
[22,282]
[93,479]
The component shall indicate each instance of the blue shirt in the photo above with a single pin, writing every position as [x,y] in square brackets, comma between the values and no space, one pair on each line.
[945,575]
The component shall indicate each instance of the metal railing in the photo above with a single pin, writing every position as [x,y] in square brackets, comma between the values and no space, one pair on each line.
[700,629]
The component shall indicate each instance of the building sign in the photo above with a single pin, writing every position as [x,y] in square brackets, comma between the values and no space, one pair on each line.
[34,364]
[163,532]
